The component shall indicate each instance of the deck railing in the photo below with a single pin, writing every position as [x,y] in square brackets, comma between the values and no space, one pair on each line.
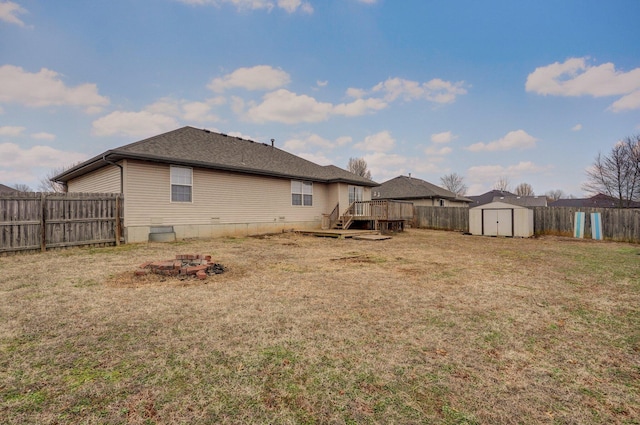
[380,210]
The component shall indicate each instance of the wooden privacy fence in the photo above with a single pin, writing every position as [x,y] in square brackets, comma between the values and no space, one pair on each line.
[38,221]
[618,224]
[442,218]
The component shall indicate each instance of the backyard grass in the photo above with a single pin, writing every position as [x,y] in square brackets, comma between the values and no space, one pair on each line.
[427,327]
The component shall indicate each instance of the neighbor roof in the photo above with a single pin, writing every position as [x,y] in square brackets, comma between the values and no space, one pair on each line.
[487,197]
[6,189]
[523,201]
[404,187]
[598,201]
[206,149]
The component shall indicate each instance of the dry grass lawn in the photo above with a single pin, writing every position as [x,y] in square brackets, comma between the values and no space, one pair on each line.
[428,327]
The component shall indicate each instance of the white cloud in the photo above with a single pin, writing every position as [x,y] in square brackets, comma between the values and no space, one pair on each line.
[489,173]
[359,107]
[576,127]
[43,136]
[289,108]
[379,142]
[630,101]
[164,114]
[356,93]
[45,88]
[136,124]
[12,131]
[290,6]
[13,156]
[518,139]
[322,83]
[9,11]
[436,90]
[318,158]
[432,150]
[305,141]
[575,77]
[260,77]
[444,137]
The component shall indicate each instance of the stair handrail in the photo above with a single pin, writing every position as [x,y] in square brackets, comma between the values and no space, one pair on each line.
[334,216]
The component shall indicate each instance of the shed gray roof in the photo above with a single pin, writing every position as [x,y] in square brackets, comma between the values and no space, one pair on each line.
[206,149]
[404,187]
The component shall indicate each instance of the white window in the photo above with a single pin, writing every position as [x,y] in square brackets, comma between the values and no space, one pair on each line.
[301,193]
[181,184]
[356,194]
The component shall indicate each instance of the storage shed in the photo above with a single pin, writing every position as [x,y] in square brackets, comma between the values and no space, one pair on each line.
[501,219]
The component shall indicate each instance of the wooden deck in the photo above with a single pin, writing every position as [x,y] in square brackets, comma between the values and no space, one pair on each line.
[339,233]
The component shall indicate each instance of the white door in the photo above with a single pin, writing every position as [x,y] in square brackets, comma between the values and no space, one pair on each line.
[497,222]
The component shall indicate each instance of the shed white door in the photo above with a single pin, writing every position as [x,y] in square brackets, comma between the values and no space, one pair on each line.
[497,222]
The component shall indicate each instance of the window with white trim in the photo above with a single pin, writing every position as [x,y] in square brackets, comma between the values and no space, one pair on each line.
[181,184]
[301,193]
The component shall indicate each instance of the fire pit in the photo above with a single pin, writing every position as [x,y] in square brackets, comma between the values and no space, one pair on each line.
[185,265]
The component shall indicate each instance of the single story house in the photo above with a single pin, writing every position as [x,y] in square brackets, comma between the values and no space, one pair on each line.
[7,189]
[508,197]
[420,192]
[199,183]
[597,201]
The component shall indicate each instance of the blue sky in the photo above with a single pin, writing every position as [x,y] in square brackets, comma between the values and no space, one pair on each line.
[527,90]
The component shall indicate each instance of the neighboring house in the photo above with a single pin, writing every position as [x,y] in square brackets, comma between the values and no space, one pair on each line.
[7,189]
[420,192]
[206,184]
[508,197]
[598,201]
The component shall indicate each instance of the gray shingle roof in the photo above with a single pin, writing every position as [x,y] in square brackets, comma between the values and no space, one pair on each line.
[404,187]
[598,201]
[487,197]
[6,189]
[203,148]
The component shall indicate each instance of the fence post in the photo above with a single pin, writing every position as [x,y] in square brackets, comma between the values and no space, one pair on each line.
[118,227]
[43,222]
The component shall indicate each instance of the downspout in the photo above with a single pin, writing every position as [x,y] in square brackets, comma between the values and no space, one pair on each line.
[104,158]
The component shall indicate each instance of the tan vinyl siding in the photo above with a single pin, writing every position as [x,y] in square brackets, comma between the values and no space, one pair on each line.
[103,180]
[435,202]
[218,198]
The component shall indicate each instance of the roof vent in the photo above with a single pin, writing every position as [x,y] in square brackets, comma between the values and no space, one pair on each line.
[273,141]
[206,131]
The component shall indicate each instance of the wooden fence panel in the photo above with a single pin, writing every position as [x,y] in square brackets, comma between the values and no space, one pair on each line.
[617,224]
[442,218]
[30,221]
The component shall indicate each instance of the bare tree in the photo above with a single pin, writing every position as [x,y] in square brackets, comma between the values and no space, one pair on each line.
[502,184]
[524,189]
[47,185]
[618,173]
[454,183]
[554,195]
[21,187]
[359,166]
